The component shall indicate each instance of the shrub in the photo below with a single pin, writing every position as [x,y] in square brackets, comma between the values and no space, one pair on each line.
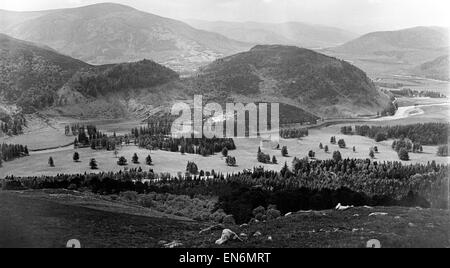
[259,210]
[72,187]
[129,196]
[273,214]
[146,201]
[229,220]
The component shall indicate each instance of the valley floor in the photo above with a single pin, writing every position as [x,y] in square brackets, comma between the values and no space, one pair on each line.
[36,219]
[52,135]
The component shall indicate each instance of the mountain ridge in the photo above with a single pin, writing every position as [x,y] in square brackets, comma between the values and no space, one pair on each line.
[287,33]
[111,33]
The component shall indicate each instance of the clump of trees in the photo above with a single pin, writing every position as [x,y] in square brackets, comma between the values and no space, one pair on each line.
[403,154]
[262,157]
[122,161]
[342,144]
[93,164]
[231,161]
[192,168]
[149,160]
[284,151]
[10,152]
[337,156]
[347,130]
[294,133]
[12,126]
[203,146]
[443,151]
[333,140]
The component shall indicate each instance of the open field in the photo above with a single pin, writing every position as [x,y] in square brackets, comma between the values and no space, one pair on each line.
[30,219]
[167,162]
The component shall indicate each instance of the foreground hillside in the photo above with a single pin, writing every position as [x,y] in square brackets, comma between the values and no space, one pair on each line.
[31,219]
[112,33]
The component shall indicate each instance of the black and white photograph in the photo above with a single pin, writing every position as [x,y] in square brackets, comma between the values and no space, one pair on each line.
[228,127]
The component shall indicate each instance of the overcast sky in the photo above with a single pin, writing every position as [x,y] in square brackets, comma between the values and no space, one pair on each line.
[354,15]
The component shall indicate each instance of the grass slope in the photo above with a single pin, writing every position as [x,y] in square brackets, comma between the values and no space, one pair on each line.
[27,220]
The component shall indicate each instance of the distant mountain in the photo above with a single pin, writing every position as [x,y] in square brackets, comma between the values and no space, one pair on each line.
[294,76]
[290,33]
[407,39]
[112,33]
[437,69]
[394,51]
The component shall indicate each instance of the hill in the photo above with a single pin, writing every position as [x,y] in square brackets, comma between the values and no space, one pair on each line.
[394,52]
[111,33]
[437,69]
[35,78]
[29,74]
[299,77]
[289,33]
[406,39]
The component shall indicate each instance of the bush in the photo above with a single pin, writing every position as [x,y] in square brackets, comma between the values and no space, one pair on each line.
[129,196]
[273,214]
[146,201]
[337,157]
[72,187]
[259,210]
[229,220]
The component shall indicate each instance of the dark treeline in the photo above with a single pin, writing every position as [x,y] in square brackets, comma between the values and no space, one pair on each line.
[425,134]
[9,152]
[308,185]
